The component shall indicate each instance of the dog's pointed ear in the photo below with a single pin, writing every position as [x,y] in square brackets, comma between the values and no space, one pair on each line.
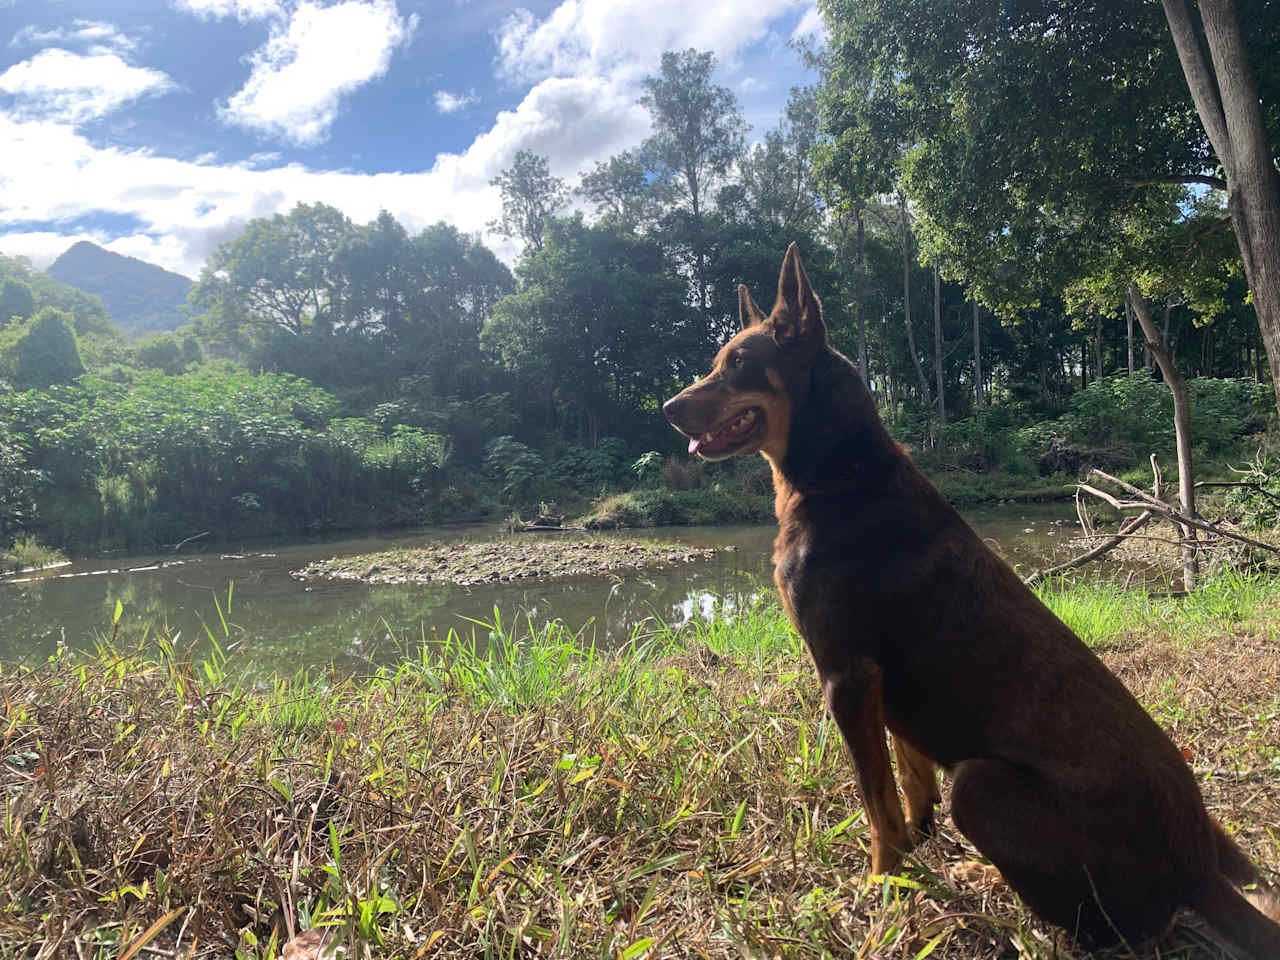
[797,315]
[748,313]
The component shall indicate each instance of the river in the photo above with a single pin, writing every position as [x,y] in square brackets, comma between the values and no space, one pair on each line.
[246,599]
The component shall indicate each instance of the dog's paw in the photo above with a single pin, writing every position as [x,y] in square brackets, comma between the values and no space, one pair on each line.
[920,829]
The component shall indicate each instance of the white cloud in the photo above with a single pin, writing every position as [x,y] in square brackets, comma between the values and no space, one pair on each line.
[97,35]
[264,159]
[301,75]
[754,85]
[626,39]
[56,83]
[447,102]
[811,26]
[242,10]
[183,208]
[583,64]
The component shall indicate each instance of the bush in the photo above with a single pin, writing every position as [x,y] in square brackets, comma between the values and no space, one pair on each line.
[585,470]
[1119,420]
[42,351]
[709,506]
[683,474]
[514,465]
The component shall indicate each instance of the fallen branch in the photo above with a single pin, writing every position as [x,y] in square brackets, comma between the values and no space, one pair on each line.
[182,543]
[1149,502]
[1133,524]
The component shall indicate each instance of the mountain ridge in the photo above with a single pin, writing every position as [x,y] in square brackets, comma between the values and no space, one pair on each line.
[140,297]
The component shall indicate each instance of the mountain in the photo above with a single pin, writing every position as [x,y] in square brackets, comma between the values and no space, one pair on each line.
[140,296]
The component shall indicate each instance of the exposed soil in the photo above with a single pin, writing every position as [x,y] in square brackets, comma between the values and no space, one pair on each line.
[499,561]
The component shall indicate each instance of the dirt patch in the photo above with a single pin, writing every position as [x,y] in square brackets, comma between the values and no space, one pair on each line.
[500,561]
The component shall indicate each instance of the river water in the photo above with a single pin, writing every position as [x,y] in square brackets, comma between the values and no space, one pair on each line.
[246,599]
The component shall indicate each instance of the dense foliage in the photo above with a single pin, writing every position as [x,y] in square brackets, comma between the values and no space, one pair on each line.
[340,374]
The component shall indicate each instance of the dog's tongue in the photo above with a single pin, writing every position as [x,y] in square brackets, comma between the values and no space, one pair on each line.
[693,445]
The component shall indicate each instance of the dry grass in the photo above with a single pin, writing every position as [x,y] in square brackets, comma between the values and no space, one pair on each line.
[684,797]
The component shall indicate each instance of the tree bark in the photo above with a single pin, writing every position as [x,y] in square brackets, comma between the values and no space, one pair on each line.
[1226,98]
[906,300]
[859,298]
[1128,324]
[937,346]
[977,354]
[1098,368]
[1181,429]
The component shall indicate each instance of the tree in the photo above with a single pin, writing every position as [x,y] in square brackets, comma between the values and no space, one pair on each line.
[777,174]
[1225,93]
[16,301]
[595,327]
[280,274]
[949,81]
[43,351]
[698,134]
[621,189]
[530,196]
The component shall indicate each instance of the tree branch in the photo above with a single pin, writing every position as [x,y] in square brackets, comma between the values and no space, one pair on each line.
[1107,545]
[1203,179]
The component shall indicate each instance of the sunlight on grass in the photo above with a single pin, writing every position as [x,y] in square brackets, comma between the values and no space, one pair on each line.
[517,787]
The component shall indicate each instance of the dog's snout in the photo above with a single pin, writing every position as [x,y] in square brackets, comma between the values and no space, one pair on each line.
[674,407]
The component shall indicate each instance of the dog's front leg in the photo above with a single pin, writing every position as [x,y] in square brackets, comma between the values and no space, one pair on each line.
[855,698]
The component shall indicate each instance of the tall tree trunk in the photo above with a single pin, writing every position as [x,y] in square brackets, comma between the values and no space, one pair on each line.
[1181,430]
[1226,98]
[1098,369]
[1128,332]
[977,354]
[937,347]
[906,300]
[858,295]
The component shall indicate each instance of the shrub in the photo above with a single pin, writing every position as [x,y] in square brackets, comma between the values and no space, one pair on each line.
[1123,418]
[683,473]
[514,465]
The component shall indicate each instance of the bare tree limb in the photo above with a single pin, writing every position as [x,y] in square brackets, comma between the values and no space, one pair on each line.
[1158,506]
[1107,545]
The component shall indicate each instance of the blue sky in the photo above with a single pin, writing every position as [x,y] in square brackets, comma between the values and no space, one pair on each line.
[158,128]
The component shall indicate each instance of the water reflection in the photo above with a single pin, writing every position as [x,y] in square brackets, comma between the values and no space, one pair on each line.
[246,600]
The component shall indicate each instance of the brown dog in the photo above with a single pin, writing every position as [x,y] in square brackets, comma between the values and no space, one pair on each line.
[1058,774]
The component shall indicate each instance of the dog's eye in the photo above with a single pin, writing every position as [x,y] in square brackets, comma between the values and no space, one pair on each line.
[736,361]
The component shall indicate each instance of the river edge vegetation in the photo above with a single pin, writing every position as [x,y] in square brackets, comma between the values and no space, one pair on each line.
[519,792]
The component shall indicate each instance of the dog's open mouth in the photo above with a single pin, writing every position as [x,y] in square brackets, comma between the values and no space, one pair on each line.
[730,437]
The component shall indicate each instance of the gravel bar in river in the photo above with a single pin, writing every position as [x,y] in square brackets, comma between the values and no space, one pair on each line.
[499,561]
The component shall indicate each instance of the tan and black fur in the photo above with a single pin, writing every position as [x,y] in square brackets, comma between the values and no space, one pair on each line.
[1058,774]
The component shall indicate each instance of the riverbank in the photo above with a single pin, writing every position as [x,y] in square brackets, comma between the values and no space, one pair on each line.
[681,796]
[715,506]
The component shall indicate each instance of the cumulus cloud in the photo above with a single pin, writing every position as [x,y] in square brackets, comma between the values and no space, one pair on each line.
[97,35]
[580,66]
[811,26]
[447,102]
[242,10]
[183,208]
[73,87]
[310,63]
[626,39]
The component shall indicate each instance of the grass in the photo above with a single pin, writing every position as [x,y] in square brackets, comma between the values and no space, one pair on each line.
[1103,616]
[518,792]
[28,553]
